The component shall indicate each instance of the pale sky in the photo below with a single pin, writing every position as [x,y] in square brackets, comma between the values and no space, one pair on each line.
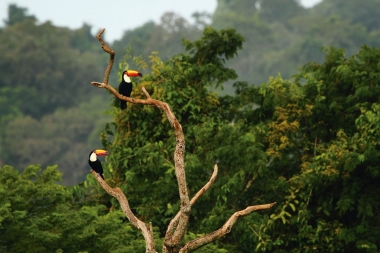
[116,16]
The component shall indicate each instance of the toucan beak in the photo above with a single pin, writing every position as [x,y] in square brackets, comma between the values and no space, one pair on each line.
[133,73]
[101,152]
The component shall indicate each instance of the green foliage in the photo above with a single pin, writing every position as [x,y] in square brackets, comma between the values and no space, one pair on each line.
[17,14]
[209,248]
[38,215]
[211,51]
[45,63]
[45,70]
[281,36]
[9,104]
[65,137]
[310,143]
[141,156]
[352,10]
[281,12]
[48,67]
[323,141]
[164,38]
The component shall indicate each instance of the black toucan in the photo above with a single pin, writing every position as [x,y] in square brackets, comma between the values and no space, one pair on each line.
[94,162]
[125,87]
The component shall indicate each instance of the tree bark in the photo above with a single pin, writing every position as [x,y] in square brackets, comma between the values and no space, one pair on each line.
[140,225]
[226,228]
[108,50]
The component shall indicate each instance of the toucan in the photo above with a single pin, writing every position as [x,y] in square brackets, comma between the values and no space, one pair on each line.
[125,87]
[94,162]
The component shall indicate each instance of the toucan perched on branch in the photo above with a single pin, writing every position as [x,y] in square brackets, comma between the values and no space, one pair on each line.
[125,87]
[94,162]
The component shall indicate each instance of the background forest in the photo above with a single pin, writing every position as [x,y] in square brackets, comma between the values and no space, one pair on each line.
[286,99]
[40,118]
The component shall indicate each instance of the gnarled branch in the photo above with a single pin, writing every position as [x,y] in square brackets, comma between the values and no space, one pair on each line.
[173,223]
[179,152]
[178,225]
[119,195]
[108,50]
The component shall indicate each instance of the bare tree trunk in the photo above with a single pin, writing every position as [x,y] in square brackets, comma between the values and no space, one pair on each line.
[178,225]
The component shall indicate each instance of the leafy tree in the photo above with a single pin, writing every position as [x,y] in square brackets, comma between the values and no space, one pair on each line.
[9,109]
[229,11]
[65,137]
[354,11]
[309,144]
[263,40]
[38,64]
[38,215]
[279,32]
[183,81]
[164,38]
[17,14]
[280,11]
[39,60]
[321,141]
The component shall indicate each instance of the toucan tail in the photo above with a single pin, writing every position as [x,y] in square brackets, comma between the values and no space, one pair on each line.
[123,105]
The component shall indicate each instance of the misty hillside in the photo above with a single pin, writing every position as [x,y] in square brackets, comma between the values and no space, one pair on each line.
[50,114]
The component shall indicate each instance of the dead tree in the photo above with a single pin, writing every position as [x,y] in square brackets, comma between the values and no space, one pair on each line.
[177,227]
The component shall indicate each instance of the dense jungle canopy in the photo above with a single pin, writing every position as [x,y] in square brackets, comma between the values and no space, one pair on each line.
[285,99]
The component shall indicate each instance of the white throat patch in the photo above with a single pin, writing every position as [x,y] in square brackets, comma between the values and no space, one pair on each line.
[93,157]
[127,79]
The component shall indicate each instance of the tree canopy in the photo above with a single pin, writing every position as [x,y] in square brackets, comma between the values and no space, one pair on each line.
[43,69]
[52,61]
[309,142]
[39,215]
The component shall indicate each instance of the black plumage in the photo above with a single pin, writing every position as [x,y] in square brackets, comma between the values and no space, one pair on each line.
[96,165]
[125,86]
[125,89]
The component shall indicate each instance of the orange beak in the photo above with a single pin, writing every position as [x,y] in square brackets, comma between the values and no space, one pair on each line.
[133,73]
[101,152]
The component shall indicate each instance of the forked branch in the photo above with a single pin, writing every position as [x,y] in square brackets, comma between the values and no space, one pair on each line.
[179,152]
[174,221]
[178,225]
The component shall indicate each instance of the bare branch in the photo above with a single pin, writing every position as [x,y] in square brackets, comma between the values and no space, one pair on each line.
[179,224]
[206,187]
[119,195]
[250,183]
[226,228]
[147,101]
[145,92]
[174,222]
[179,155]
[108,50]
[179,152]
